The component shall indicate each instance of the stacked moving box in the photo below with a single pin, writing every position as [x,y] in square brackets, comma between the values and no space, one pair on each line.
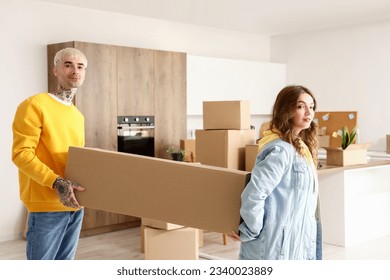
[226,132]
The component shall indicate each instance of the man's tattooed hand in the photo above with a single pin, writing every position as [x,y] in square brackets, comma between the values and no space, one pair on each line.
[65,190]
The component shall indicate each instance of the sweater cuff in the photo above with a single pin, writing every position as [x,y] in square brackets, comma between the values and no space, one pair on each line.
[51,179]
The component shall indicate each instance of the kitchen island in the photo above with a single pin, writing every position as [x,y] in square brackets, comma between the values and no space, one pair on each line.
[355,201]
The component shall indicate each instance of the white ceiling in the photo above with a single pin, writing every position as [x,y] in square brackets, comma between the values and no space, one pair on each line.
[266,17]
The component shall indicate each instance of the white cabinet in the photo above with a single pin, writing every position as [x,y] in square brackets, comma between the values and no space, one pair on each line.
[355,204]
[216,79]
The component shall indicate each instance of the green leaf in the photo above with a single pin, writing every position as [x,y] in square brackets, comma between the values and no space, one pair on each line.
[352,136]
[343,137]
[346,140]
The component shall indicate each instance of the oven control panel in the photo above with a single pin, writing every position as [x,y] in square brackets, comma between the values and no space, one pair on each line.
[144,120]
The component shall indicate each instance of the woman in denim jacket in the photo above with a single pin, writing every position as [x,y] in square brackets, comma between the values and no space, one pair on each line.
[280,210]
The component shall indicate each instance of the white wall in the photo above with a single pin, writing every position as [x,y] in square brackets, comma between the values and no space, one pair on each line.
[27,26]
[348,69]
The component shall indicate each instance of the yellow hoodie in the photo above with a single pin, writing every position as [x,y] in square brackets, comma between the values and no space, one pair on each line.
[43,130]
[269,136]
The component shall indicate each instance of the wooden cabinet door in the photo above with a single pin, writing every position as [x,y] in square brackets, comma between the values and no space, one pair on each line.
[170,100]
[97,98]
[135,81]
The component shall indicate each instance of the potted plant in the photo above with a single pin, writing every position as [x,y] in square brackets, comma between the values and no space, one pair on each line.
[349,153]
[176,154]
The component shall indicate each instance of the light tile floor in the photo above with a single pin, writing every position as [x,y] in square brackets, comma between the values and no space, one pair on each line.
[125,245]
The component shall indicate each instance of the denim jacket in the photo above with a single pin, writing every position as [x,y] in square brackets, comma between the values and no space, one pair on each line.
[280,213]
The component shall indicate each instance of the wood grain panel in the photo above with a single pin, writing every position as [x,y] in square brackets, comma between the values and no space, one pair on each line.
[170,100]
[135,78]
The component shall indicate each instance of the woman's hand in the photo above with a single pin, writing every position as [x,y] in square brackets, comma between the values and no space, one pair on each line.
[234,236]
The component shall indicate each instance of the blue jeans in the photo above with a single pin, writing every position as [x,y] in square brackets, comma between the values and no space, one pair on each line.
[53,235]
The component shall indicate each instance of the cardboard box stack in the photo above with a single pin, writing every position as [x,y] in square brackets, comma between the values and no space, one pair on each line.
[388,144]
[226,132]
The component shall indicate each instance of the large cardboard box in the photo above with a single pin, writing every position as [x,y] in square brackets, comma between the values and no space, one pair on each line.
[388,144]
[178,244]
[226,115]
[352,155]
[193,195]
[224,148]
[251,152]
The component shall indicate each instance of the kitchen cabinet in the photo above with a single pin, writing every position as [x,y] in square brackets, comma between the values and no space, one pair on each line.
[135,81]
[355,202]
[153,82]
[217,79]
[170,100]
[126,81]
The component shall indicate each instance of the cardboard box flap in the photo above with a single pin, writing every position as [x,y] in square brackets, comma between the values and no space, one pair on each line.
[193,195]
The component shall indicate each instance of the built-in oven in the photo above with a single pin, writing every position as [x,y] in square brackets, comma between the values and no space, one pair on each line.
[136,135]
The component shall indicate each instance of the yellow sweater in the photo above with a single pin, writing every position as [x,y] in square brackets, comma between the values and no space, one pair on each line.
[43,130]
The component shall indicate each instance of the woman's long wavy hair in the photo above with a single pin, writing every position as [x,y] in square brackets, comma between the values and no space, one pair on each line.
[283,123]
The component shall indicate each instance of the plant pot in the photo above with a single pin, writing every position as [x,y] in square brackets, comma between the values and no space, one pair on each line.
[177,156]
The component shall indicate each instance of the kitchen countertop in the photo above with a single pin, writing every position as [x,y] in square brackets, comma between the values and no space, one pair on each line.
[374,158]
[331,168]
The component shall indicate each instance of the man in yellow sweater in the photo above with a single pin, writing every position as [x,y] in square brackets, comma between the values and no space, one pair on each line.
[44,127]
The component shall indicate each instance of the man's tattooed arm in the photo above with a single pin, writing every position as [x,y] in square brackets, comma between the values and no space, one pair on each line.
[65,190]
